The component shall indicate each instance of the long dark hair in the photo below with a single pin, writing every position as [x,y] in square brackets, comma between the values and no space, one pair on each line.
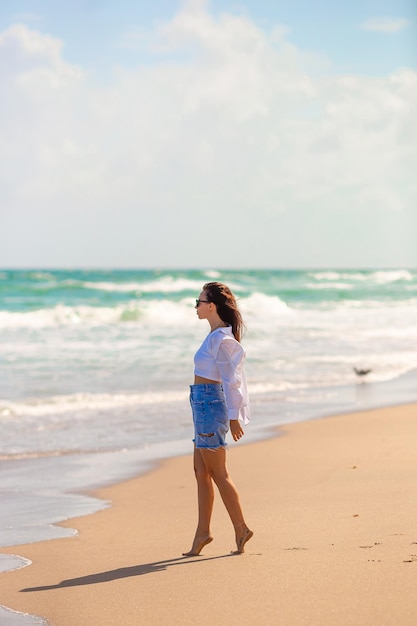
[226,305]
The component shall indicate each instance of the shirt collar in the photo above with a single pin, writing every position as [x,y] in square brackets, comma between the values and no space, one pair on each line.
[227,330]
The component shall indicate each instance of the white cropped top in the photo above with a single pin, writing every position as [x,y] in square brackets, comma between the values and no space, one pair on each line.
[220,357]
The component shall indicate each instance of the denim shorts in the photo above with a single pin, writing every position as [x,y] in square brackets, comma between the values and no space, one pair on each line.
[210,416]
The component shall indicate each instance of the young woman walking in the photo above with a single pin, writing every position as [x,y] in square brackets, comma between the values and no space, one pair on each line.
[219,401]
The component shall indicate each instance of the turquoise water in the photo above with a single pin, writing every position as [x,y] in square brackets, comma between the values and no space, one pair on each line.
[32,290]
[102,360]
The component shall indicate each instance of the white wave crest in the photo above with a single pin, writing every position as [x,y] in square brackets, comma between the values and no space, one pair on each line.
[329,286]
[338,276]
[258,305]
[60,315]
[152,312]
[384,277]
[267,387]
[85,402]
[167,284]
[114,287]
[380,277]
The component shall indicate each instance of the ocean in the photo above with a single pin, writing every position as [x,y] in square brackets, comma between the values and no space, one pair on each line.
[95,367]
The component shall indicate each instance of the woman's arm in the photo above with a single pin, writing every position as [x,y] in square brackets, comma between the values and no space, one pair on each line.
[230,358]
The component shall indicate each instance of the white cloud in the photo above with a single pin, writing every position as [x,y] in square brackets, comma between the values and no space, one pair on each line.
[385,24]
[38,92]
[29,59]
[236,131]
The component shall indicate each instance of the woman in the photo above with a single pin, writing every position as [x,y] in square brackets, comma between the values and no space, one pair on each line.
[219,400]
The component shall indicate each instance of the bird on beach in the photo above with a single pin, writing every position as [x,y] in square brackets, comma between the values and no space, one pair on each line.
[361,372]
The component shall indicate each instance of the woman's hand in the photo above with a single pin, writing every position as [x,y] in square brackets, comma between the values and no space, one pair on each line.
[236,430]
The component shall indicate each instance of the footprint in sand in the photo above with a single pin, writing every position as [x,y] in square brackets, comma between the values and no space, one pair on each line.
[412,560]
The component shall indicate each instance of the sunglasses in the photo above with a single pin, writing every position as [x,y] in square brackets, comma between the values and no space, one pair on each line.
[198,302]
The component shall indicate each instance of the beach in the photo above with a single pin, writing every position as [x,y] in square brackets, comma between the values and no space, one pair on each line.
[95,468]
[332,505]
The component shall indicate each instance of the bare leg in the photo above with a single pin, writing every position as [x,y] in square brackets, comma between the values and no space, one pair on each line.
[215,462]
[205,505]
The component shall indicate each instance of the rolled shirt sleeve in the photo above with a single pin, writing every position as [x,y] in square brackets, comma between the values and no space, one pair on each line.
[230,361]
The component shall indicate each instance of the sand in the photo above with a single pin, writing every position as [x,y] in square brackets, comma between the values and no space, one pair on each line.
[334,509]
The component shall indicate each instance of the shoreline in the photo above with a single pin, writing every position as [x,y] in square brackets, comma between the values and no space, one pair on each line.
[340,502]
[59,486]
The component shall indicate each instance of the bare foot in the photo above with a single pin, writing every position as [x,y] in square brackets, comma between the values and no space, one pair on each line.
[198,545]
[242,540]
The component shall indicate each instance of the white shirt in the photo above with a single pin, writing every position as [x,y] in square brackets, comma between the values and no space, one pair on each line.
[220,357]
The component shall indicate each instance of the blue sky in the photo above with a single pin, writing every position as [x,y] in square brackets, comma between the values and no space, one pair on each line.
[93,30]
[208,133]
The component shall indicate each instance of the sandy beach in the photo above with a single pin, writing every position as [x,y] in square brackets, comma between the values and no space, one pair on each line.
[333,506]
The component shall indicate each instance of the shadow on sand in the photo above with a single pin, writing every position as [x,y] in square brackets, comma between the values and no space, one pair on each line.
[125,572]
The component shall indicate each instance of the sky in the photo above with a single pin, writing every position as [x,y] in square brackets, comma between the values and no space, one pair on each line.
[208,134]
